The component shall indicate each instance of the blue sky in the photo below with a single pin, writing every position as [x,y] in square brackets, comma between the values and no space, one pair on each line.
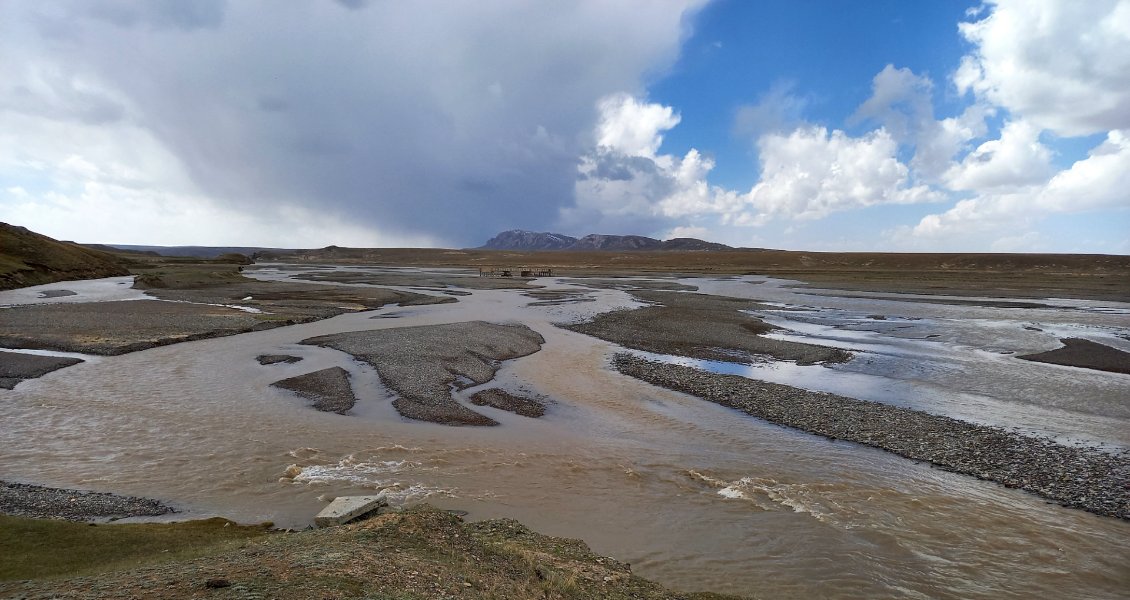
[825,52]
[820,125]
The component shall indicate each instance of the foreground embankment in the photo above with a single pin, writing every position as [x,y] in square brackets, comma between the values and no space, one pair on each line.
[1077,477]
[421,552]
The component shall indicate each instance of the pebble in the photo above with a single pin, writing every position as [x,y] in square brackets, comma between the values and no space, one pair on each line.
[38,502]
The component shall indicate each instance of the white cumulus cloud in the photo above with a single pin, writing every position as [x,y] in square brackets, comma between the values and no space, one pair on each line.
[1100,181]
[631,127]
[812,173]
[1016,159]
[807,173]
[1064,65]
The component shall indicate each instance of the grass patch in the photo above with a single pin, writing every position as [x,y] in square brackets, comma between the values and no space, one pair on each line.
[187,276]
[42,548]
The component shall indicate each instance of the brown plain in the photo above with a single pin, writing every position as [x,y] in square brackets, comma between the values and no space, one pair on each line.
[1084,276]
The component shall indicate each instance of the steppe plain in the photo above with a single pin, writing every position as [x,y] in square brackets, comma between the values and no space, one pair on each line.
[450,374]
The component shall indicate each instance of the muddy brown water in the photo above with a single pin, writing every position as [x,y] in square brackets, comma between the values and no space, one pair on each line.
[693,495]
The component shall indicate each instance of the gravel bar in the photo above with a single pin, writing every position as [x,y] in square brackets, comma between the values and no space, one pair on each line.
[700,326]
[1077,477]
[329,389]
[504,400]
[38,502]
[274,359]
[18,366]
[423,364]
[1085,354]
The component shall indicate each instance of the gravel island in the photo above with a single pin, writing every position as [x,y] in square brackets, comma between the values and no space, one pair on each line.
[40,502]
[422,364]
[1077,477]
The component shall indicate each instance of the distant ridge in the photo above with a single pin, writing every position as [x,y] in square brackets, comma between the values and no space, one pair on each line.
[517,239]
[187,251]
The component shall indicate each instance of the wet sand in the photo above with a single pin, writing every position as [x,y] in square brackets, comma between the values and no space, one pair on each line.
[17,366]
[1084,354]
[1077,477]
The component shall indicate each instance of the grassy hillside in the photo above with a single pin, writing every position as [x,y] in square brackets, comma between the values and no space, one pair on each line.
[28,258]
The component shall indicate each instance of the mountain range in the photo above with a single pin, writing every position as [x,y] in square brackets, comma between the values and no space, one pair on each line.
[517,239]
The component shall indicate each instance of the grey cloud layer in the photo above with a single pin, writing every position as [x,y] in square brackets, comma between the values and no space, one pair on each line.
[447,118]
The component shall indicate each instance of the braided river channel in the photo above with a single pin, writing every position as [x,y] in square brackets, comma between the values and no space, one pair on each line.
[692,494]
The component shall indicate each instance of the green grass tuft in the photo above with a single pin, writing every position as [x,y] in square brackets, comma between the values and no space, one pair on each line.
[42,548]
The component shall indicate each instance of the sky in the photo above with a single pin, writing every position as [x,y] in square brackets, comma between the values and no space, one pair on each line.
[836,125]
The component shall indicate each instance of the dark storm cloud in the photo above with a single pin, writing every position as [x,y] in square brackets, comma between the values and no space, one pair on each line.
[353,4]
[445,119]
[175,14]
[619,167]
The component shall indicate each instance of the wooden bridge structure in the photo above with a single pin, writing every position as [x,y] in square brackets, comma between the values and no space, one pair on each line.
[519,271]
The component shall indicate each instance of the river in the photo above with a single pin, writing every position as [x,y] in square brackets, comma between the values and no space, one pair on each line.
[693,495]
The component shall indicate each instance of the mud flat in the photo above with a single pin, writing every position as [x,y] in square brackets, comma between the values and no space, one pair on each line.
[1085,354]
[329,389]
[17,366]
[700,326]
[422,364]
[40,502]
[1077,477]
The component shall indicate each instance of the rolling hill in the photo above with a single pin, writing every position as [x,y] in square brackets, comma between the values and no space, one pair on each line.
[28,258]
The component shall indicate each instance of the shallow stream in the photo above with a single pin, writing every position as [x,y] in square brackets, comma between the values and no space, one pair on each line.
[693,495]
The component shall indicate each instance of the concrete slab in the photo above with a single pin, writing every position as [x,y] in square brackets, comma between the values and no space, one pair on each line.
[346,508]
